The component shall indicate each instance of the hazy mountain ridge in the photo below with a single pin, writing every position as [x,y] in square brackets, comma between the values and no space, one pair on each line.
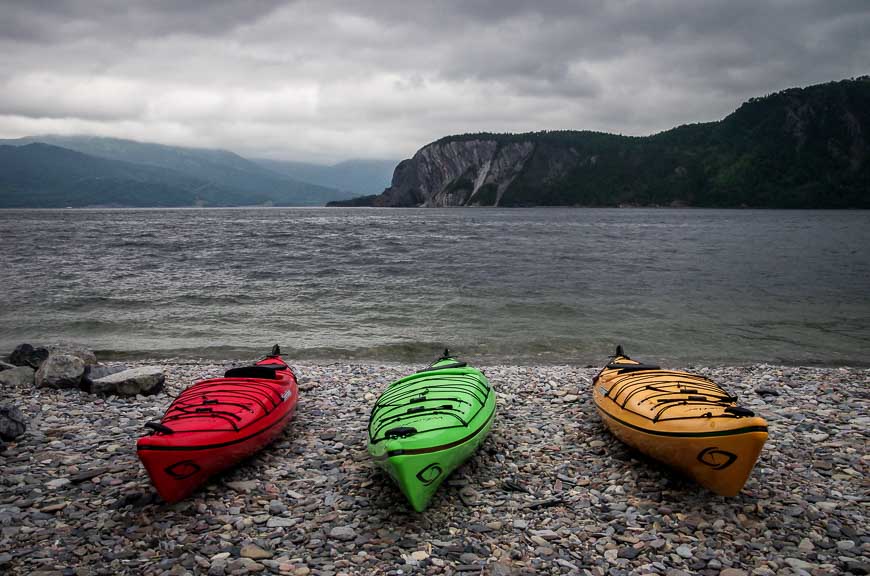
[356,176]
[224,178]
[41,175]
[799,148]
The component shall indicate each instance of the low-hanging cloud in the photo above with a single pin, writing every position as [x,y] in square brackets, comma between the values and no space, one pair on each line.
[331,80]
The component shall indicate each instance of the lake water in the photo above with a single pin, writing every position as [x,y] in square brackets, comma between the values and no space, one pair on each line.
[548,285]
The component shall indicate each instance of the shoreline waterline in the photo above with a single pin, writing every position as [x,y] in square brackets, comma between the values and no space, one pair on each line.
[424,355]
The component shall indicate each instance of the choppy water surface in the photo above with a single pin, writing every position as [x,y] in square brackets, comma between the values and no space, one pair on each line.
[523,285]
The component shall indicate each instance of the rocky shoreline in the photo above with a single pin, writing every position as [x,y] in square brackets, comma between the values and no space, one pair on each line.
[550,491]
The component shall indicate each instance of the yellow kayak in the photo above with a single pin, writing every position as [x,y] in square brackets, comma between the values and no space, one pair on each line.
[683,420]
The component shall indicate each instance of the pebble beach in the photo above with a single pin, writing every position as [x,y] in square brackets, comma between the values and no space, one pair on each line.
[549,492]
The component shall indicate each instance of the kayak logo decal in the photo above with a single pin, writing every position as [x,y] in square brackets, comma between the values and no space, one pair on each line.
[182,470]
[715,458]
[429,474]
[286,394]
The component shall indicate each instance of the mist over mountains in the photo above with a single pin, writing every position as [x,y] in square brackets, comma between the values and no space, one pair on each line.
[59,171]
[358,176]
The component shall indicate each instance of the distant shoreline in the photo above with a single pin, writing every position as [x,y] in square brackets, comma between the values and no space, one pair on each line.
[456,208]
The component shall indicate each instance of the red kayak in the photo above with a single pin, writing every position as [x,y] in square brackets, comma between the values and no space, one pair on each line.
[216,423]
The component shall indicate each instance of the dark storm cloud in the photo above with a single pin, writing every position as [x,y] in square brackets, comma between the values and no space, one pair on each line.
[337,79]
[53,21]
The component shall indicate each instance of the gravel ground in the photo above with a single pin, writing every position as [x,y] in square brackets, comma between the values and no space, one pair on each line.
[550,491]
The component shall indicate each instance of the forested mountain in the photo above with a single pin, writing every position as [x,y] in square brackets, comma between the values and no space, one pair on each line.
[799,148]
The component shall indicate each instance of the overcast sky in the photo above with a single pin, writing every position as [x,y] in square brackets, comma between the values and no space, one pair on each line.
[326,81]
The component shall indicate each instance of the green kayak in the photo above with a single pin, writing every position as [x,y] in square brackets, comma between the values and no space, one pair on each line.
[425,425]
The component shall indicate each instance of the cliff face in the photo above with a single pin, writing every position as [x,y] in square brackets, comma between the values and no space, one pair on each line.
[799,148]
[457,173]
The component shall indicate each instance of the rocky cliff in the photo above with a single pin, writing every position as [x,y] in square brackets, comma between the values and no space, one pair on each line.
[457,173]
[799,148]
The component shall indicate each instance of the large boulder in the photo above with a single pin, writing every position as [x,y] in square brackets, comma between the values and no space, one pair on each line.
[12,423]
[60,371]
[18,377]
[97,371]
[145,380]
[27,355]
[73,349]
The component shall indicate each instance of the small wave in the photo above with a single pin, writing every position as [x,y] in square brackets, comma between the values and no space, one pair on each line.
[268,274]
[214,299]
[137,244]
[406,352]
[101,302]
[216,353]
